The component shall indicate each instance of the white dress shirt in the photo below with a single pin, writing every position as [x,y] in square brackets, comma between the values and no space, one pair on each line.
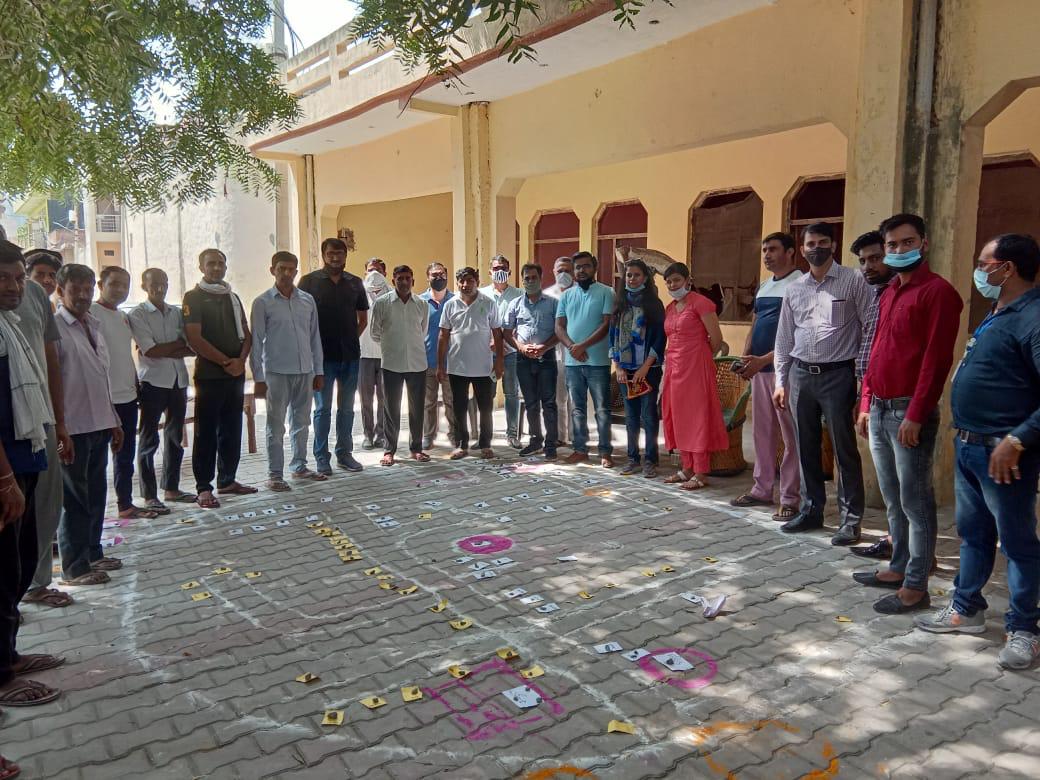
[122,373]
[151,327]
[399,327]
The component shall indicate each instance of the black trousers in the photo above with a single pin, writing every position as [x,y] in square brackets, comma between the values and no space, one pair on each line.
[393,382]
[537,378]
[155,402]
[123,461]
[17,565]
[218,431]
[484,392]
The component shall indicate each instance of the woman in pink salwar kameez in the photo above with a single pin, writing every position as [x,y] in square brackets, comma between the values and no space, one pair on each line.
[690,408]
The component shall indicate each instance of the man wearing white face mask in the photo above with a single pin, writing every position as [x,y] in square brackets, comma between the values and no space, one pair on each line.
[997,422]
[918,318]
[502,294]
[370,375]
[563,270]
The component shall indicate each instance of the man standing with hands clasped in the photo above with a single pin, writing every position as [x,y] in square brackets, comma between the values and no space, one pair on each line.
[216,328]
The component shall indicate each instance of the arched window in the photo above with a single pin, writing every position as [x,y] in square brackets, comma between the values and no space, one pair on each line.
[818,199]
[618,225]
[555,235]
[725,248]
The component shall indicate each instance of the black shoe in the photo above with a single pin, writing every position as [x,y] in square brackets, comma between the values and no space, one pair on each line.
[347,463]
[550,454]
[847,534]
[870,579]
[534,447]
[802,523]
[891,605]
[880,550]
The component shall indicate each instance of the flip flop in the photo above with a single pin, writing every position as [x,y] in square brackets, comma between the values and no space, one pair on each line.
[8,769]
[693,483]
[458,454]
[28,693]
[237,489]
[207,503]
[422,457]
[31,663]
[48,597]
[278,485]
[676,478]
[184,498]
[748,500]
[90,578]
[157,506]
[387,460]
[137,513]
[311,475]
[107,564]
[487,453]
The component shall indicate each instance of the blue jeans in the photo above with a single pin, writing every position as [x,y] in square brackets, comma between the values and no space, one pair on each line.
[583,380]
[905,478]
[343,377]
[642,413]
[987,511]
[83,515]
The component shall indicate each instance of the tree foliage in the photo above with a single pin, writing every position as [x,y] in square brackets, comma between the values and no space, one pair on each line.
[426,33]
[79,80]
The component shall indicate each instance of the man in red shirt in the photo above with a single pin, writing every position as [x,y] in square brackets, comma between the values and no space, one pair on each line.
[918,320]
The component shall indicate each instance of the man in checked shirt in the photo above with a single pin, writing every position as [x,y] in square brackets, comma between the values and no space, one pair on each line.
[821,327]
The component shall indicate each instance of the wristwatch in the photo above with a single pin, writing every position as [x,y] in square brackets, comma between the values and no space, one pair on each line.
[1015,442]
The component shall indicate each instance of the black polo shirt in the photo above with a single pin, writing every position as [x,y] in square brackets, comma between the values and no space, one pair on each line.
[216,315]
[338,305]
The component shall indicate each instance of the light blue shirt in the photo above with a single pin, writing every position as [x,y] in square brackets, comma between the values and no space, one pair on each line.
[285,335]
[584,311]
[433,328]
[534,323]
[502,300]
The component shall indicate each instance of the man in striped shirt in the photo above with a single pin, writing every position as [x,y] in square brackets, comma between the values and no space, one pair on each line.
[821,328]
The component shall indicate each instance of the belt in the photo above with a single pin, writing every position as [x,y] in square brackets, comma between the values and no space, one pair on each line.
[977,438]
[822,368]
[895,404]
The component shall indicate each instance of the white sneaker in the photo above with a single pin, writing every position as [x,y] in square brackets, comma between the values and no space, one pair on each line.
[948,620]
[1021,649]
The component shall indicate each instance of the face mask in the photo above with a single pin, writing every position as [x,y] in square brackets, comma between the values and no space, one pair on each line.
[818,255]
[679,294]
[640,288]
[500,277]
[991,291]
[585,283]
[438,284]
[564,279]
[533,287]
[906,261]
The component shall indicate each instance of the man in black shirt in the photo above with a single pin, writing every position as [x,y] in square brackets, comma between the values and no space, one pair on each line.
[216,328]
[342,318]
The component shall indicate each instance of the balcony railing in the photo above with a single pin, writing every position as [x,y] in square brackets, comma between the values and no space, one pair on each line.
[108,223]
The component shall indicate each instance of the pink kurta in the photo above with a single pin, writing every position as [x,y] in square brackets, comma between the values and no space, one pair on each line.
[690,408]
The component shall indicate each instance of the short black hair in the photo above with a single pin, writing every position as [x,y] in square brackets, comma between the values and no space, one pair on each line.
[152,272]
[898,220]
[870,238]
[335,243]
[533,266]
[210,251]
[284,257]
[108,270]
[820,229]
[375,260]
[74,272]
[465,271]
[1020,249]
[401,269]
[785,239]
[46,257]
[583,255]
[677,268]
[501,258]
[10,253]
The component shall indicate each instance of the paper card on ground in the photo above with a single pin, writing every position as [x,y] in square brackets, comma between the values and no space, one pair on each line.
[635,655]
[534,671]
[283,523]
[313,521]
[235,532]
[464,559]
[231,517]
[523,495]
[673,661]
[372,507]
[426,515]
[388,524]
[620,727]
[258,528]
[607,647]
[502,561]
[411,693]
[482,505]
[547,509]
[479,565]
[515,593]
[529,600]
[434,504]
[202,596]
[566,558]
[384,518]
[505,519]
[523,697]
[332,718]
[545,609]
[548,491]
[508,499]
[326,500]
[487,574]
[271,511]
[289,507]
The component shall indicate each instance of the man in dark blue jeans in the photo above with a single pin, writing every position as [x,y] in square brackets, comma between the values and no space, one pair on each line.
[342,318]
[996,414]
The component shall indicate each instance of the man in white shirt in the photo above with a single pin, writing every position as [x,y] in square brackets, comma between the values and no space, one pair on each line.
[114,287]
[370,377]
[502,294]
[158,330]
[469,322]
[288,366]
[563,271]
[399,321]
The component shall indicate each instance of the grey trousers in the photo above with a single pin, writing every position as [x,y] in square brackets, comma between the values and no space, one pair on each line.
[290,393]
[830,395]
[370,387]
[49,496]
[430,417]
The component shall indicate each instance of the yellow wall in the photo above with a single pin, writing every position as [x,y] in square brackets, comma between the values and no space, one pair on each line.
[1017,128]
[413,232]
[102,259]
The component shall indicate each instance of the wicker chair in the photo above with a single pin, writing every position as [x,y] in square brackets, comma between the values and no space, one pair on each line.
[734,392]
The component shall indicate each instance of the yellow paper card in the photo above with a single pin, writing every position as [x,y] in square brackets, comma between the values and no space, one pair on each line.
[373,702]
[185,521]
[667,568]
[530,674]
[617,726]
[461,625]
[440,606]
[190,585]
[386,585]
[649,573]
[222,570]
[252,575]
[610,585]
[332,718]
[843,619]
[709,559]
[307,678]
[426,516]
[385,577]
[202,596]
[408,591]
[584,594]
[316,524]
[507,654]
[411,693]
[458,672]
[373,571]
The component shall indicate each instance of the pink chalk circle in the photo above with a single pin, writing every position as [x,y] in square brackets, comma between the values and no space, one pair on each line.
[485,544]
[659,673]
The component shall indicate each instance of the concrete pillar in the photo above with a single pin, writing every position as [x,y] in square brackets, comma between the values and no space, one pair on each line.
[473,204]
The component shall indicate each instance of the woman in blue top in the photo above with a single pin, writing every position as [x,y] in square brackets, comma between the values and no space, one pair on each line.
[636,348]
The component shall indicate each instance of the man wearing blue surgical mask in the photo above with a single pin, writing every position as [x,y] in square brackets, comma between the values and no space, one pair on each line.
[502,294]
[996,416]
[918,318]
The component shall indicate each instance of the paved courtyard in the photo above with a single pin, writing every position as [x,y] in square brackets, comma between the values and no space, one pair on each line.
[187,664]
